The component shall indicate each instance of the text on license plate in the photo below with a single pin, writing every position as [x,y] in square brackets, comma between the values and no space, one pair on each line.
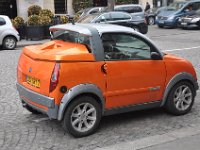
[33,81]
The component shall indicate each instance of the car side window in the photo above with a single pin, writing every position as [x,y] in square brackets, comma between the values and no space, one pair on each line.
[121,46]
[120,16]
[104,18]
[137,9]
[2,21]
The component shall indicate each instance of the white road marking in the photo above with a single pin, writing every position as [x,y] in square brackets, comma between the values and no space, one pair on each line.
[180,49]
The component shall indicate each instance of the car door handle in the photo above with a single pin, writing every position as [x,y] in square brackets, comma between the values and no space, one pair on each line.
[104,68]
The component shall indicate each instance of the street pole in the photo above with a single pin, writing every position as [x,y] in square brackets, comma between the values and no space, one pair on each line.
[111,4]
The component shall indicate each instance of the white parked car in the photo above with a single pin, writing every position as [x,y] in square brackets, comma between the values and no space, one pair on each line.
[8,34]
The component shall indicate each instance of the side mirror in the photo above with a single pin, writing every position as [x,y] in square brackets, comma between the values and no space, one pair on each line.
[155,56]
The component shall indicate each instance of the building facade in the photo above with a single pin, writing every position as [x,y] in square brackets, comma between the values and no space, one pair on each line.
[13,8]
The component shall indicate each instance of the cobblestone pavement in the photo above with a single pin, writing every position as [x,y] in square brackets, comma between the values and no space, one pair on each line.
[21,130]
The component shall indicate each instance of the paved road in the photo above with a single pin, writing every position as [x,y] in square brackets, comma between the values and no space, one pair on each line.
[22,130]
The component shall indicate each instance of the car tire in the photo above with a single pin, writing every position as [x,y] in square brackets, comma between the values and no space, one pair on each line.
[160,26]
[82,116]
[151,20]
[9,43]
[180,99]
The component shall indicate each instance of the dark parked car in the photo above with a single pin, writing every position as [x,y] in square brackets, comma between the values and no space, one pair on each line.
[192,21]
[133,9]
[118,18]
[171,16]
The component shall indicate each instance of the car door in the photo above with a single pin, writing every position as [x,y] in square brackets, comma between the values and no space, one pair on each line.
[132,77]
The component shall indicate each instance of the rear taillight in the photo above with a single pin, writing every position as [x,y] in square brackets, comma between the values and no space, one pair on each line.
[54,77]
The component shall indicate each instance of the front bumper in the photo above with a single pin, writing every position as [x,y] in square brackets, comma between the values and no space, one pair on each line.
[38,101]
[170,23]
[188,25]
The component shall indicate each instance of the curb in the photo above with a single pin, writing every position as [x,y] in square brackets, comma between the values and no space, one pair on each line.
[154,140]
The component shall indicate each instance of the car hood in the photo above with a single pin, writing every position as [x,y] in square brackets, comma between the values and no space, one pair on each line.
[167,13]
[58,50]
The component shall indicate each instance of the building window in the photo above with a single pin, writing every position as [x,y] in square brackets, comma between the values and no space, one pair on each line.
[8,8]
[60,6]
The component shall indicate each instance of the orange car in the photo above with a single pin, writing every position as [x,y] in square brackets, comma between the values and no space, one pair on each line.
[91,70]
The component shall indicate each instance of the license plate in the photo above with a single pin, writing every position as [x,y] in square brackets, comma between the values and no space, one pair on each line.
[161,21]
[183,23]
[33,81]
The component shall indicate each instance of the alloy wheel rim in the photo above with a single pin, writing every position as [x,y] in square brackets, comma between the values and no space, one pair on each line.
[151,21]
[83,117]
[10,43]
[183,98]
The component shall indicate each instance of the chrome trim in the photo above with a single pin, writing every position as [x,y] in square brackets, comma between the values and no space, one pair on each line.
[78,90]
[178,77]
[154,88]
[129,108]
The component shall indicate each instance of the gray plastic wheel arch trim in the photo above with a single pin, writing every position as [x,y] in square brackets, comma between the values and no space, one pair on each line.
[178,77]
[76,91]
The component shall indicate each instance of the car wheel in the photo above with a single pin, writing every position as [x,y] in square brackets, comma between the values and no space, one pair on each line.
[9,43]
[180,98]
[136,28]
[151,21]
[82,116]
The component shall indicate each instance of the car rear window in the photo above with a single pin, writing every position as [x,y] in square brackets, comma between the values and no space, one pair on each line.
[71,36]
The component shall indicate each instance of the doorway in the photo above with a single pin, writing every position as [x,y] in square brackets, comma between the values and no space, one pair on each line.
[8,8]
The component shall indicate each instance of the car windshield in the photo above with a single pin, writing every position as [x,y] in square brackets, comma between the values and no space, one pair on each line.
[87,19]
[198,12]
[175,6]
[71,36]
[83,11]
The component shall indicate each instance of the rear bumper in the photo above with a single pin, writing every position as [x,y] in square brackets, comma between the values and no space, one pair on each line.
[38,101]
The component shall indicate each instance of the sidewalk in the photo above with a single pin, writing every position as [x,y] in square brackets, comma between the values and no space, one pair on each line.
[182,139]
[24,42]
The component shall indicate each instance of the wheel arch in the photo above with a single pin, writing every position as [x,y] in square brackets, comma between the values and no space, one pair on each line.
[183,76]
[80,90]
[10,35]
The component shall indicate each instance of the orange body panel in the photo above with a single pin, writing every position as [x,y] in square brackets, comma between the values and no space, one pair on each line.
[122,83]
[129,82]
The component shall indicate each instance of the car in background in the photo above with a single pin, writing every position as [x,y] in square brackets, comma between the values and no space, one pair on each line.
[87,11]
[133,9]
[8,34]
[192,21]
[118,18]
[170,17]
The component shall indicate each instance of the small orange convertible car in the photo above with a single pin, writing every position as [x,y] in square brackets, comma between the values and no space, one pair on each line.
[91,70]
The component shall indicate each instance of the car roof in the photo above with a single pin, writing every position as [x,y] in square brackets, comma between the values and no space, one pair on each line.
[126,5]
[87,28]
